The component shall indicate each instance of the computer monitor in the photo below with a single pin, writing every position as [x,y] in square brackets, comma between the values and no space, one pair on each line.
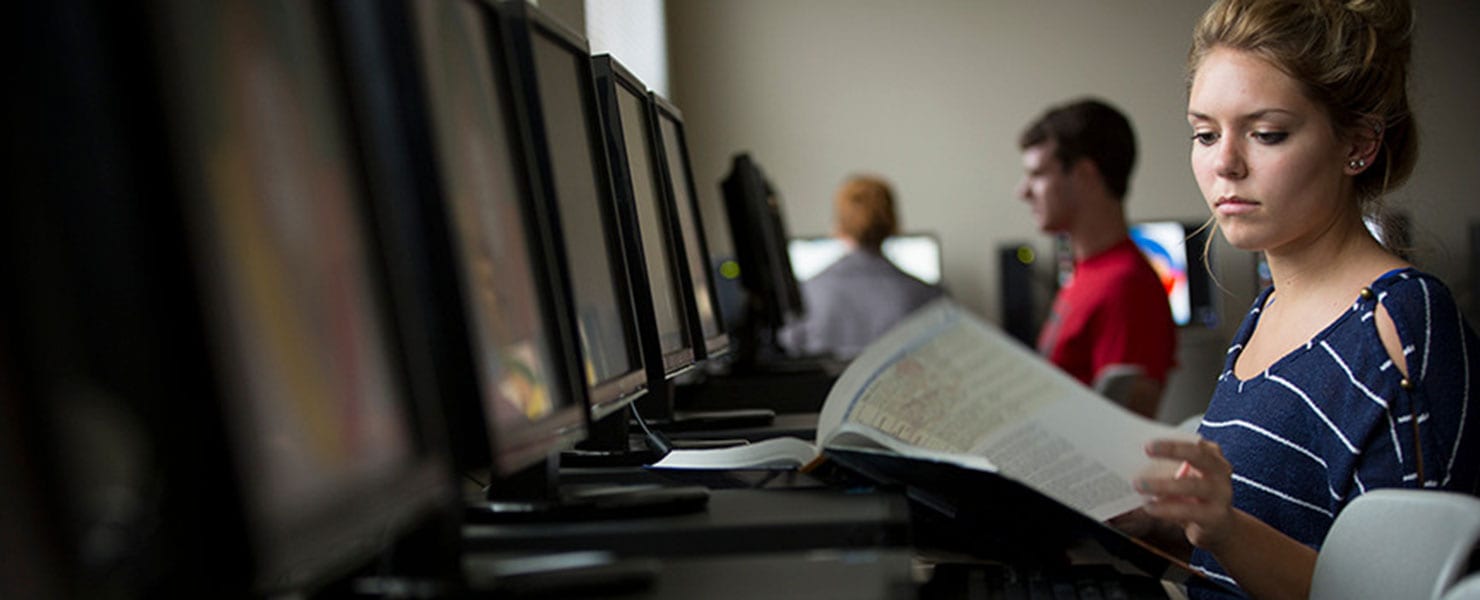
[712,340]
[918,254]
[503,238]
[314,385]
[653,254]
[724,268]
[1175,250]
[759,232]
[475,237]
[574,168]
[207,340]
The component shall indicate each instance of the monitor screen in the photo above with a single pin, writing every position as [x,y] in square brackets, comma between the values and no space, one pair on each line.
[915,253]
[682,192]
[663,265]
[1175,251]
[316,403]
[729,294]
[605,315]
[502,244]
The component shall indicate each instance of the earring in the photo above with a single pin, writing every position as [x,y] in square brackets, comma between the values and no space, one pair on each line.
[1357,163]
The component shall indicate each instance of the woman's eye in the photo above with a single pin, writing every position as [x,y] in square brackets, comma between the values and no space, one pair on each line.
[1205,138]
[1270,137]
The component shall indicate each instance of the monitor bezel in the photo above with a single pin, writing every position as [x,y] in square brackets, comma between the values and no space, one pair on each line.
[614,393]
[308,549]
[664,366]
[717,345]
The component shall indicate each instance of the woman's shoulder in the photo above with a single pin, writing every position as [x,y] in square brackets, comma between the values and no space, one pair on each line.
[1409,291]
[1424,313]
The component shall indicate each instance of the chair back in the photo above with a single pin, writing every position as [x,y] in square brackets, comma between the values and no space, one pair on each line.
[1398,543]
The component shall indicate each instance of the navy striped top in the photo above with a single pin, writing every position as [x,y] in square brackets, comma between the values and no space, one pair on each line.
[1335,418]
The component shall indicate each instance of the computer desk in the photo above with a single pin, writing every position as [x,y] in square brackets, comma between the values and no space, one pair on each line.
[855,574]
[867,574]
[736,521]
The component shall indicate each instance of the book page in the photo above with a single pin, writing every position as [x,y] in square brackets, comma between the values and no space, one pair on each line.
[775,453]
[945,384]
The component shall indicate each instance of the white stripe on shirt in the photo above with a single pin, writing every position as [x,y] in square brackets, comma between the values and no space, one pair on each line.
[1339,435]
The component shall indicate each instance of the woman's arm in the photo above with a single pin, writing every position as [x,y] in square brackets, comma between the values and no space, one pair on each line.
[1265,562]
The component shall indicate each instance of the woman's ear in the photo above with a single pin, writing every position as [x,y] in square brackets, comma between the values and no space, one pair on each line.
[1365,140]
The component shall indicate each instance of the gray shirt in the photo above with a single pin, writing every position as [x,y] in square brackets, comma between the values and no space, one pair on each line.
[853,302]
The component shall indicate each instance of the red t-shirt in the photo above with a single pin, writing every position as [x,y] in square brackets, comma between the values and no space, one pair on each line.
[1113,311]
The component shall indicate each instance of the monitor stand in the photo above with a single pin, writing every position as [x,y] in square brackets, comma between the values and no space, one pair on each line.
[610,442]
[658,407]
[536,495]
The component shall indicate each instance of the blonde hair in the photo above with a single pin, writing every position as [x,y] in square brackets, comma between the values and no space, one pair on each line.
[1351,57]
[864,209]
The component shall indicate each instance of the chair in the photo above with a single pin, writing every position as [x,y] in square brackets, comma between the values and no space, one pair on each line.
[1400,543]
[1118,382]
[1467,589]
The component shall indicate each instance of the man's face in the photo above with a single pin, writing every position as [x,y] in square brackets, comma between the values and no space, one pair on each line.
[1048,188]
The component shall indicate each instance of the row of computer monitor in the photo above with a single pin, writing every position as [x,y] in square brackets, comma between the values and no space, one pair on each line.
[362,239]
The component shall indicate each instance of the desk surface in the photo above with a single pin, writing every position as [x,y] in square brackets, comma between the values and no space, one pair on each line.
[736,521]
[856,574]
[864,574]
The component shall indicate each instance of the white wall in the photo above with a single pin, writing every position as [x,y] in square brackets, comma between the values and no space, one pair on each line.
[633,32]
[933,94]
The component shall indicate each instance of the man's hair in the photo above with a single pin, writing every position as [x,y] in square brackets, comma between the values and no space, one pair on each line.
[864,209]
[1088,128]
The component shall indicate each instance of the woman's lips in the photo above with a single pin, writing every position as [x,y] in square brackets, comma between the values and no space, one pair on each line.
[1234,205]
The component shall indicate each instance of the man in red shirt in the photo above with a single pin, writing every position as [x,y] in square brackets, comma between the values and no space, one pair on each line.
[1112,317]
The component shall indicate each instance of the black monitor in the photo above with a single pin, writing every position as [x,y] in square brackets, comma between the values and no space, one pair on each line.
[504,240]
[308,358]
[655,240]
[207,350]
[576,171]
[552,88]
[654,255]
[573,166]
[476,245]
[719,243]
[759,233]
[711,340]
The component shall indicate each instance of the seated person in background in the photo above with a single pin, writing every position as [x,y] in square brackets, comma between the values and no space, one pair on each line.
[1113,316]
[858,298]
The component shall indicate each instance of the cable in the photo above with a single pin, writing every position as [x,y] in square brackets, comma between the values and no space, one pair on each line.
[655,439]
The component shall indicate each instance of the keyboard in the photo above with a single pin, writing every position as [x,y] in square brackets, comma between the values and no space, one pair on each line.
[994,581]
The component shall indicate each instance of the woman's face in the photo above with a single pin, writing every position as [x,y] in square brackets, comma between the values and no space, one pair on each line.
[1266,158]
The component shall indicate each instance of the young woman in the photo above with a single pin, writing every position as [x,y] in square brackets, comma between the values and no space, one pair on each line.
[1354,371]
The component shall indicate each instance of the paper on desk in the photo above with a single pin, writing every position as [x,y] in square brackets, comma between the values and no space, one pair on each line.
[775,453]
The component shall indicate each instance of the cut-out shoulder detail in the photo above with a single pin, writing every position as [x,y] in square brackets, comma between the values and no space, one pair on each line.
[1388,333]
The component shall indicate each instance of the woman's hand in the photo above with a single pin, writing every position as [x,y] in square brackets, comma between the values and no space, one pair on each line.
[1198,498]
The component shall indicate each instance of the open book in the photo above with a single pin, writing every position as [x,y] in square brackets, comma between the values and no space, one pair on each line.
[945,387]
